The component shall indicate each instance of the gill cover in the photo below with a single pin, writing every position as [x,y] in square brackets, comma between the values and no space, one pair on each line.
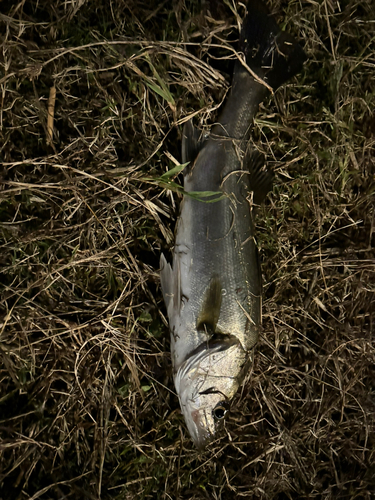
[206,382]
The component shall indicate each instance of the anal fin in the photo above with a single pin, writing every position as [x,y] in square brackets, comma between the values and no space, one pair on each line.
[192,142]
[261,179]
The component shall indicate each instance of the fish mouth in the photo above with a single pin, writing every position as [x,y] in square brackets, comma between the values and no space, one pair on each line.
[202,424]
[200,433]
[206,420]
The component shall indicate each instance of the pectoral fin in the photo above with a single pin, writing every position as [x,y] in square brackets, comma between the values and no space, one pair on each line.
[211,305]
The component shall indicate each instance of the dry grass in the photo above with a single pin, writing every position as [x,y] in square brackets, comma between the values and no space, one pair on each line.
[87,408]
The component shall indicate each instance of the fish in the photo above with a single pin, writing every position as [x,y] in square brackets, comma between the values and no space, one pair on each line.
[213,289]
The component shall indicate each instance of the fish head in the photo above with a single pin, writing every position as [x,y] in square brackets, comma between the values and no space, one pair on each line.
[206,382]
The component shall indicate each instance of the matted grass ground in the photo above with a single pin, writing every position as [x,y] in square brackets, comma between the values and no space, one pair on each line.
[87,403]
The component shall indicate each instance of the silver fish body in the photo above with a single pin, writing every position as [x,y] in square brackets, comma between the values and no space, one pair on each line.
[213,292]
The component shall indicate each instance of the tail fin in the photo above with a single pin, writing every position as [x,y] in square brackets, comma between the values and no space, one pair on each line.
[272,54]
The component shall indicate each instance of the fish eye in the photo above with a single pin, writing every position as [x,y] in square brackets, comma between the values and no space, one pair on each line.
[219,411]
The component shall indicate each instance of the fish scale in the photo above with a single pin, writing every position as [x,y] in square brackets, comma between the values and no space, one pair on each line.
[217,240]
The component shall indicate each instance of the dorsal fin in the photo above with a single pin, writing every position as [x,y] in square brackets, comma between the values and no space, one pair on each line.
[170,286]
[261,179]
[210,310]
